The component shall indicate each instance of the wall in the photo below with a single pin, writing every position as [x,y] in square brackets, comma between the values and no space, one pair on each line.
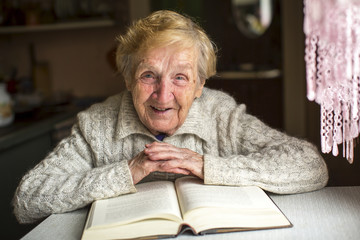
[302,117]
[77,59]
[294,70]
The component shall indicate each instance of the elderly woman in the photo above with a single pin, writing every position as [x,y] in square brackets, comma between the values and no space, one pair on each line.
[164,126]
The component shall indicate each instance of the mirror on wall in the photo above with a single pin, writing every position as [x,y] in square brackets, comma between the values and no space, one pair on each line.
[252,17]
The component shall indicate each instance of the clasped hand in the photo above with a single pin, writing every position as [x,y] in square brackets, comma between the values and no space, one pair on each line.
[164,157]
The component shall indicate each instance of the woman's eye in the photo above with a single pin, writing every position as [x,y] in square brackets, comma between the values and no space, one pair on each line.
[180,79]
[148,75]
[148,78]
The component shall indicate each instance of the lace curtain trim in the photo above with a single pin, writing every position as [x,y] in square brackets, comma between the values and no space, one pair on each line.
[332,56]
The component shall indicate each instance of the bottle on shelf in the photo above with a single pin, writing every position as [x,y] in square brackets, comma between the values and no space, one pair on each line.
[6,106]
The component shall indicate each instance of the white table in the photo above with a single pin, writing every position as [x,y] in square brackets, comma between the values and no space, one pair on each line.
[330,213]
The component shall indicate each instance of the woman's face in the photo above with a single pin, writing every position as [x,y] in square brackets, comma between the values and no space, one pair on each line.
[165,86]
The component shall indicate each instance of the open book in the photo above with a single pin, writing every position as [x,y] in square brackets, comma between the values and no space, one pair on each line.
[163,209]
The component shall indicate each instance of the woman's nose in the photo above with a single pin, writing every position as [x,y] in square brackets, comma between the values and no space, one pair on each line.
[164,91]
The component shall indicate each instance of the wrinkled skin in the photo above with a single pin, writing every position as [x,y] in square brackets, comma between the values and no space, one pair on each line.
[165,86]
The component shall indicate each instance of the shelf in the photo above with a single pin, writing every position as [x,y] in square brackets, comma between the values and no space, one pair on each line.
[236,75]
[57,26]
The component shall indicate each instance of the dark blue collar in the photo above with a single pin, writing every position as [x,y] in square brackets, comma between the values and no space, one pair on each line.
[160,137]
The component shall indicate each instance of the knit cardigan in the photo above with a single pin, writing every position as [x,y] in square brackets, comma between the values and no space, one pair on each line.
[238,149]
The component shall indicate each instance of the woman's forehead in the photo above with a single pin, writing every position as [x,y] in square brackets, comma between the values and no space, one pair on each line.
[181,57]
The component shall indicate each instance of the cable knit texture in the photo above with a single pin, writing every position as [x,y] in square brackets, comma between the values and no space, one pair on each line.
[238,149]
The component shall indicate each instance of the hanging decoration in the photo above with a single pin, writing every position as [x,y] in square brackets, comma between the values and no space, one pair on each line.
[332,56]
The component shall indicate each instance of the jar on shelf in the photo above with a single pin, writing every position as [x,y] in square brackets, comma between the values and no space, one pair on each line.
[6,107]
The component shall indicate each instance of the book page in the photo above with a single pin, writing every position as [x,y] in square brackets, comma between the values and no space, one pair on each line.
[194,194]
[215,208]
[152,199]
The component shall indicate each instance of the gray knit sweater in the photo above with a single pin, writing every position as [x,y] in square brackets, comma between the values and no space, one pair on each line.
[238,149]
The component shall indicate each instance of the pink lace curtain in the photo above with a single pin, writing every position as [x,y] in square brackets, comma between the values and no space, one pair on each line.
[332,56]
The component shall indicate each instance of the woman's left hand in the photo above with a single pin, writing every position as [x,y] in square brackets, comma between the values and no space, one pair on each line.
[174,158]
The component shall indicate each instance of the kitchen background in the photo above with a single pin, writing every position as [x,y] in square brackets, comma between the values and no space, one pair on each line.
[57,58]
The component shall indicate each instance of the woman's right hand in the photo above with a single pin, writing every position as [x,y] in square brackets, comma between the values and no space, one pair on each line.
[141,166]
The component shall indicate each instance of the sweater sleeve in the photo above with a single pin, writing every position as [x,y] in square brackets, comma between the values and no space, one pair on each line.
[67,180]
[251,153]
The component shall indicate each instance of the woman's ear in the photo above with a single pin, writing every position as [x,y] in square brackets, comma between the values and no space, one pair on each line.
[128,85]
[199,88]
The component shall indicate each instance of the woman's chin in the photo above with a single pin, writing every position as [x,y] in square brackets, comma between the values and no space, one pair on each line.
[162,130]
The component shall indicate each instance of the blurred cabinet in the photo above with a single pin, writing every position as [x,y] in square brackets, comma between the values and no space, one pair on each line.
[22,145]
[58,26]
[16,161]
[43,15]
[261,94]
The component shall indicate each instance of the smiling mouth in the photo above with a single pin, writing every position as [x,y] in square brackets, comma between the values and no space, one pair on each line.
[156,109]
